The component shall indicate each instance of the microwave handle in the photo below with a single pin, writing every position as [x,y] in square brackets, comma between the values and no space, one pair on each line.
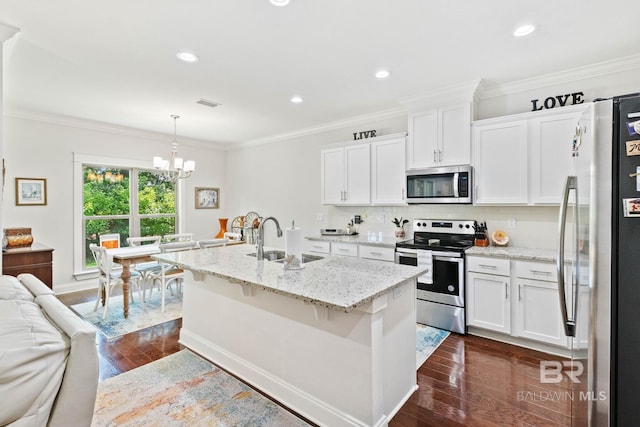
[456,177]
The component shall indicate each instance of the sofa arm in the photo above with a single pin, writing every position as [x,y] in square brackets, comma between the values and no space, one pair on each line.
[76,399]
[35,286]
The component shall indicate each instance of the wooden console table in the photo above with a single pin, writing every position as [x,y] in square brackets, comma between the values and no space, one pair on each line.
[36,259]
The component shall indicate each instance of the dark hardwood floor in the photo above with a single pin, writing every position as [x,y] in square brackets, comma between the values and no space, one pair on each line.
[468,381]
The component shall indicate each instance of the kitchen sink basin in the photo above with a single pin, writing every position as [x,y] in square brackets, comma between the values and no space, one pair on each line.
[278,256]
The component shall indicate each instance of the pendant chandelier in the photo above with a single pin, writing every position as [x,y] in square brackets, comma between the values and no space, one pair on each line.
[175,168]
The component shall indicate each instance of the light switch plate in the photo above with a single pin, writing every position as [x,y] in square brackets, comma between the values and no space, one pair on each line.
[511,223]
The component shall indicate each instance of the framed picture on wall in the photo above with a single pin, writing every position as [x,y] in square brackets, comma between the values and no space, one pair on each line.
[207,198]
[31,191]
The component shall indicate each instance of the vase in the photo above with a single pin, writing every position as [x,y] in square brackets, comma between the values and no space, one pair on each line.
[399,232]
[223,227]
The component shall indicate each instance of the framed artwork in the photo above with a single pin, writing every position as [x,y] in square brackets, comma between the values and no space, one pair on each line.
[207,198]
[31,191]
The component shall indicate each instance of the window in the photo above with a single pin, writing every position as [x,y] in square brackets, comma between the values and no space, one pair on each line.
[108,204]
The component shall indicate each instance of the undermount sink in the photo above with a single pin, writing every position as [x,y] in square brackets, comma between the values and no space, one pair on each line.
[278,256]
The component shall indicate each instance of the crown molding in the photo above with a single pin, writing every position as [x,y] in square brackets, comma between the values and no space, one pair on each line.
[464,92]
[7,31]
[105,127]
[604,68]
[358,120]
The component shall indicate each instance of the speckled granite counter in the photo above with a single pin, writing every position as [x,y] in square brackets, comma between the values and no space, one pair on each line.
[374,239]
[338,283]
[514,252]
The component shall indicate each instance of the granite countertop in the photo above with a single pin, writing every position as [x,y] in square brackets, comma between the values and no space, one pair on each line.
[370,238]
[514,252]
[340,283]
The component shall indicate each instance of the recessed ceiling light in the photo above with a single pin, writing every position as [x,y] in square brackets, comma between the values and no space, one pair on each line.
[382,74]
[296,100]
[524,30]
[279,2]
[187,57]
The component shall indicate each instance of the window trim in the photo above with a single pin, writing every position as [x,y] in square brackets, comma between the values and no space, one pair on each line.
[79,160]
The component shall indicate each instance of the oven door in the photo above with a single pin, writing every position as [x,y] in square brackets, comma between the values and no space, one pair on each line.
[446,284]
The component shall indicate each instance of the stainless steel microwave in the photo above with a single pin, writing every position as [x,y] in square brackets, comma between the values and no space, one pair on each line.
[451,184]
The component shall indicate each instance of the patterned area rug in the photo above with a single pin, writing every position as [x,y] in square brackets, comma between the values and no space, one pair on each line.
[184,390]
[427,340]
[141,315]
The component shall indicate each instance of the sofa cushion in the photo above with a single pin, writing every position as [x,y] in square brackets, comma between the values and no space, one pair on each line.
[12,289]
[33,355]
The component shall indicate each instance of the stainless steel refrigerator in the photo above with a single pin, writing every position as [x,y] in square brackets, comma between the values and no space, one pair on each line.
[598,251]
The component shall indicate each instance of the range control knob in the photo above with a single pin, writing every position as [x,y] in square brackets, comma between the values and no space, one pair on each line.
[460,225]
[424,224]
[451,288]
[466,226]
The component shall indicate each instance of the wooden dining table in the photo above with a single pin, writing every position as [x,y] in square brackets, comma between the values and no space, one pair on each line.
[127,257]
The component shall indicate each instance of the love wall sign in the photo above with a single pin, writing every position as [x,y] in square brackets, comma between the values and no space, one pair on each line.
[558,101]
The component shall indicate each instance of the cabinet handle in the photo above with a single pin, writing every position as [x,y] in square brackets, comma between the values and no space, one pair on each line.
[434,157]
[376,253]
[343,250]
[520,292]
[493,267]
[345,195]
[546,273]
[506,290]
[317,246]
[439,155]
[402,194]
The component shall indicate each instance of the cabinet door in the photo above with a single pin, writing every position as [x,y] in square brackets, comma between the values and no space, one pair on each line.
[388,179]
[333,176]
[488,302]
[455,135]
[500,163]
[357,174]
[422,145]
[550,143]
[538,316]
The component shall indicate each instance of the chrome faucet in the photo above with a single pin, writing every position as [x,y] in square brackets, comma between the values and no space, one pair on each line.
[260,239]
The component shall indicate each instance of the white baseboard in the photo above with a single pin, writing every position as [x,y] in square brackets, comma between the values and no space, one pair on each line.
[520,342]
[76,286]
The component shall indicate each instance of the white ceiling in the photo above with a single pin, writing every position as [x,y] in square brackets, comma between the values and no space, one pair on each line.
[115,61]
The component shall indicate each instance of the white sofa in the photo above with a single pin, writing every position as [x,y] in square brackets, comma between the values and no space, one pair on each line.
[48,358]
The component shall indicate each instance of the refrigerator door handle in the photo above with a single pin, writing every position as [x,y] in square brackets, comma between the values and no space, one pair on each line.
[569,325]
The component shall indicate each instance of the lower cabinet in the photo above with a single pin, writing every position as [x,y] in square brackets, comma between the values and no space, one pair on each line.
[363,251]
[518,298]
[488,295]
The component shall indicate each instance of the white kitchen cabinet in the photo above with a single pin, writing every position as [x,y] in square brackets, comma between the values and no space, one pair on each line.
[524,159]
[346,175]
[500,163]
[550,157]
[344,249]
[375,252]
[388,179]
[489,295]
[538,310]
[439,137]
[317,247]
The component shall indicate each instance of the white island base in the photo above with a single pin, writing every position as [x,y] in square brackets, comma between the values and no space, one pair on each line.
[332,367]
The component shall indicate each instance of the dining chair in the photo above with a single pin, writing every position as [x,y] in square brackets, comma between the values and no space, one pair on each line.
[170,274]
[145,268]
[179,237]
[212,243]
[110,241]
[108,278]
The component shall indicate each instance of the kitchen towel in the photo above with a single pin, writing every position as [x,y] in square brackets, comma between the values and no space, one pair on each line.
[293,245]
[425,259]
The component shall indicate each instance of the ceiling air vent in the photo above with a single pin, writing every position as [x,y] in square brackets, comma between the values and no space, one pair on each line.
[208,103]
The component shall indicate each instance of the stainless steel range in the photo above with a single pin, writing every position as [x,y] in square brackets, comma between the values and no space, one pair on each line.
[440,245]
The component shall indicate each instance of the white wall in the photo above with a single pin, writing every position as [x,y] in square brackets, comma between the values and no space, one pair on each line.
[43,148]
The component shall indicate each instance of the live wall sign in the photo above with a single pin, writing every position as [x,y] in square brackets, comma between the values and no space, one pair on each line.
[558,101]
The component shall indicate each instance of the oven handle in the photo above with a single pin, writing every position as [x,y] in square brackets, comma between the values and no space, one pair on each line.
[447,259]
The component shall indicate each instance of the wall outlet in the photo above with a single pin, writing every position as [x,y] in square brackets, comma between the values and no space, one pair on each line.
[511,223]
[319,216]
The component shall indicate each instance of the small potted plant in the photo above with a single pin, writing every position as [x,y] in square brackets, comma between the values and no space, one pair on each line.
[400,226]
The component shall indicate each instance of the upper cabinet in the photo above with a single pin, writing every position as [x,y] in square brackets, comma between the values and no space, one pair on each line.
[439,137]
[346,175]
[524,159]
[388,181]
[365,173]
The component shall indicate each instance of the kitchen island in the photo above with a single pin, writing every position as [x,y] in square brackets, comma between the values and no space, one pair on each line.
[334,341]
